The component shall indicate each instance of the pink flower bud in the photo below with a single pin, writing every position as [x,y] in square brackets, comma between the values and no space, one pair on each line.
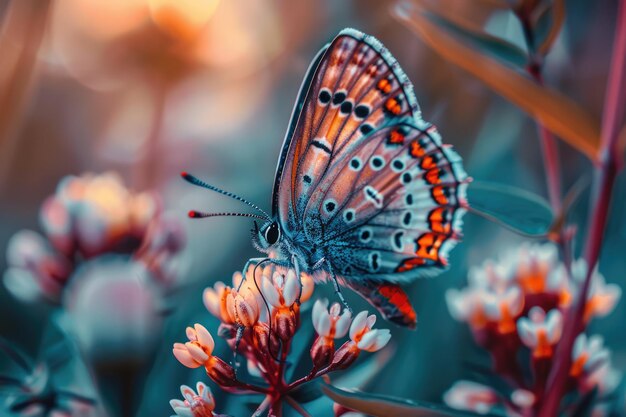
[322,352]
[345,355]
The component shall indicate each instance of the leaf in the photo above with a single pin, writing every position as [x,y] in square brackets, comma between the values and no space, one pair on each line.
[385,406]
[519,210]
[552,109]
[474,33]
[548,25]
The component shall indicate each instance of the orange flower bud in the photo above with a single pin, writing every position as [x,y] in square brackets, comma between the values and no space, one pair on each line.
[220,372]
[286,323]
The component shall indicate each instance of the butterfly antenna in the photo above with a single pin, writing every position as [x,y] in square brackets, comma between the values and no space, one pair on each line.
[202,215]
[196,181]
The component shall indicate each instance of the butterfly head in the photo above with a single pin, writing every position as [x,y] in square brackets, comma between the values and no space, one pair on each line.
[268,237]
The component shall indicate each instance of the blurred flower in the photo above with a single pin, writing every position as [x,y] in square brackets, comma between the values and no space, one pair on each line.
[467,395]
[92,214]
[591,365]
[200,404]
[540,332]
[518,303]
[114,308]
[35,269]
[601,298]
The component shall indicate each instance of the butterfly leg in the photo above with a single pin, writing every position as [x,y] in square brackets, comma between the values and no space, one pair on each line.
[251,261]
[337,288]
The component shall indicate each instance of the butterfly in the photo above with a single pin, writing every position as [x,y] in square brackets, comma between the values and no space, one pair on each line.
[365,195]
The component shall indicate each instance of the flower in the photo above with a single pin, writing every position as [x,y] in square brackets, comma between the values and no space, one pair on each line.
[114,309]
[499,292]
[602,297]
[198,350]
[200,404]
[588,354]
[35,269]
[94,213]
[215,300]
[540,331]
[282,291]
[471,396]
[246,308]
[329,325]
[591,365]
[364,336]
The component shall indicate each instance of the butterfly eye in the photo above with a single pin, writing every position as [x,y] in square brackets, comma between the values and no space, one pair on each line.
[272,233]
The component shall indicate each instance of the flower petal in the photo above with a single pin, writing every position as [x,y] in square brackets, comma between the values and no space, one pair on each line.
[343,324]
[358,324]
[211,301]
[205,338]
[270,292]
[292,287]
[182,354]
[187,392]
[197,353]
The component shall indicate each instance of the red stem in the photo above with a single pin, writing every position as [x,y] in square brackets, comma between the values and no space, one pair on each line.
[607,169]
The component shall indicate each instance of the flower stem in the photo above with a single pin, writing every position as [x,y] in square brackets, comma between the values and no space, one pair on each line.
[294,404]
[609,162]
[549,147]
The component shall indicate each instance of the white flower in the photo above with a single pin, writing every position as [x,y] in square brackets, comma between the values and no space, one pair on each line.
[329,323]
[200,404]
[471,396]
[281,290]
[539,331]
[364,336]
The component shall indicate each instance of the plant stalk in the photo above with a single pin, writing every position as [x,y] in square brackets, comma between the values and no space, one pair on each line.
[607,168]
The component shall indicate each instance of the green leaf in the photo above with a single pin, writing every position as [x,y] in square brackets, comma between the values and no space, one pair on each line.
[385,406]
[518,210]
[475,35]
[547,25]
[557,113]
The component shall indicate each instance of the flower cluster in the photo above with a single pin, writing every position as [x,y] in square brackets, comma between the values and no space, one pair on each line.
[90,216]
[108,256]
[260,317]
[516,305]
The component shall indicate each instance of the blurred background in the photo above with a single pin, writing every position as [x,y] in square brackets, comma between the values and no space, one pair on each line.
[149,88]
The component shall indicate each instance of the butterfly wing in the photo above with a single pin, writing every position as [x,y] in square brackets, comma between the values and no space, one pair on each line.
[364,179]
[353,87]
[390,300]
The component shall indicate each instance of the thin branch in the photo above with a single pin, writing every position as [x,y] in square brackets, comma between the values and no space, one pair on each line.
[294,404]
